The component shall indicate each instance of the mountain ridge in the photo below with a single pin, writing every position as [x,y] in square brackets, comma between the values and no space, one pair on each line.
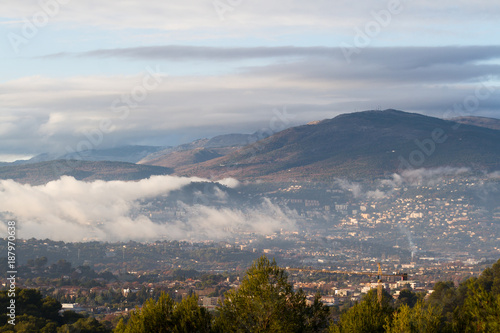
[217,146]
[491,123]
[370,143]
[367,144]
[43,172]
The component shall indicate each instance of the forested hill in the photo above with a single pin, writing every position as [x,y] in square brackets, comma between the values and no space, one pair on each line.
[359,145]
[43,172]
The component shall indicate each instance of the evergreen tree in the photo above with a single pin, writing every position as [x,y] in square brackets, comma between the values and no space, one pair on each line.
[317,316]
[419,319]
[408,297]
[481,310]
[36,313]
[84,325]
[165,316]
[266,302]
[190,317]
[153,317]
[367,316]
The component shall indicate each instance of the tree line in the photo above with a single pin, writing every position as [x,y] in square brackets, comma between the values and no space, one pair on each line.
[267,302]
[38,314]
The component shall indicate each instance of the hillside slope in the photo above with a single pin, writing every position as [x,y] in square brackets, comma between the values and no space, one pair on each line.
[491,123]
[193,152]
[358,145]
[43,172]
[176,159]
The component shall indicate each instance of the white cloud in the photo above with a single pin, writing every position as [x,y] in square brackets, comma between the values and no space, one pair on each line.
[254,15]
[229,182]
[355,188]
[430,176]
[40,113]
[384,188]
[72,210]
[376,195]
[192,14]
[494,175]
[422,176]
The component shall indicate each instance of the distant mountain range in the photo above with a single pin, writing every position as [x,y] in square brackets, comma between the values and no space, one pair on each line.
[201,150]
[121,163]
[130,154]
[43,172]
[175,159]
[208,148]
[357,145]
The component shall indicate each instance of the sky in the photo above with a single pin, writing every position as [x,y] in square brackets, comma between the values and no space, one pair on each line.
[91,74]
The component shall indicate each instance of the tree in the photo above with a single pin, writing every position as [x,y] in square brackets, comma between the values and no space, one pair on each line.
[481,310]
[35,313]
[164,316]
[490,278]
[84,325]
[153,317]
[418,319]
[188,316]
[40,262]
[367,316]
[478,305]
[401,321]
[447,297]
[407,297]
[266,302]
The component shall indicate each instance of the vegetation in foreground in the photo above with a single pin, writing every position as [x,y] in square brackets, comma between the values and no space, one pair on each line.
[35,313]
[266,302]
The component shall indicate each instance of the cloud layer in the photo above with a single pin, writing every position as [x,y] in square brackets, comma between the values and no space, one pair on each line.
[229,70]
[257,14]
[384,188]
[312,83]
[72,210]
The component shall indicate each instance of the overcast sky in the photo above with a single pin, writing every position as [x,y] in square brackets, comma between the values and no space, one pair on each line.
[96,74]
